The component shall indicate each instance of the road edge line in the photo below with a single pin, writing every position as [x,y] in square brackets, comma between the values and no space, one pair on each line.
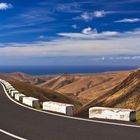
[11,135]
[69,117]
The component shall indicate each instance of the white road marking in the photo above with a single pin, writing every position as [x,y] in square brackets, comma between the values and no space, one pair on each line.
[12,135]
[69,117]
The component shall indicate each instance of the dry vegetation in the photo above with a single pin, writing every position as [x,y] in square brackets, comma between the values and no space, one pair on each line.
[112,89]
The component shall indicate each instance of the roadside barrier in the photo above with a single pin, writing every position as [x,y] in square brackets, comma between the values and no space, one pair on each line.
[112,113]
[67,109]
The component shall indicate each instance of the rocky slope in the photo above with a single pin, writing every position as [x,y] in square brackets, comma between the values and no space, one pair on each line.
[27,85]
[112,89]
[85,88]
[124,95]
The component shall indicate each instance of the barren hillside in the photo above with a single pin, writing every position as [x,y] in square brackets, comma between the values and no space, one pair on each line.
[124,95]
[112,89]
[29,89]
[86,88]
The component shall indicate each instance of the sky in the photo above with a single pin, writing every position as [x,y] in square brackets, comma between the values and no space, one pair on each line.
[70,32]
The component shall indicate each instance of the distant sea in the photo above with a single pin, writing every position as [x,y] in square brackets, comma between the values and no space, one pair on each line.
[49,70]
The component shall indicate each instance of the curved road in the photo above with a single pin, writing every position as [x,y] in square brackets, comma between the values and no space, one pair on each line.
[33,125]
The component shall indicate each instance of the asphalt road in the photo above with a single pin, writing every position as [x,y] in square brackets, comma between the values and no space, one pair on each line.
[5,137]
[34,125]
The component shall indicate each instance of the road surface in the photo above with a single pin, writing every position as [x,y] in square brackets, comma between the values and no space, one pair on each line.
[33,125]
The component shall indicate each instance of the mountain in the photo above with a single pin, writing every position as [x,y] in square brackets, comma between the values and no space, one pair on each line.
[24,84]
[124,95]
[85,88]
[111,89]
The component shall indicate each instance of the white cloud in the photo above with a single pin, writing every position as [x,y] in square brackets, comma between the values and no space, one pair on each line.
[41,37]
[128,20]
[126,43]
[88,16]
[89,30]
[137,57]
[89,34]
[68,7]
[27,31]
[31,17]
[74,26]
[5,6]
[99,14]
[36,15]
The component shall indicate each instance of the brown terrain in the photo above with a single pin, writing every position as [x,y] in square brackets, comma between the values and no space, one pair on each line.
[112,89]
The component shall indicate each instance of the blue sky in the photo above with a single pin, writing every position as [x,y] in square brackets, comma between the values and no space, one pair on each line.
[70,32]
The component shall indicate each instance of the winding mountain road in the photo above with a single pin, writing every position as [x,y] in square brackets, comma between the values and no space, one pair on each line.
[33,125]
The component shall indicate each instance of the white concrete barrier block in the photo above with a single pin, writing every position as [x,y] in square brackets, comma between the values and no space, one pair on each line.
[8,87]
[13,92]
[19,97]
[1,80]
[30,101]
[10,90]
[67,109]
[6,83]
[112,113]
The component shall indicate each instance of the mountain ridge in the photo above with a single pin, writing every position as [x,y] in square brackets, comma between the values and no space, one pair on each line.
[110,89]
